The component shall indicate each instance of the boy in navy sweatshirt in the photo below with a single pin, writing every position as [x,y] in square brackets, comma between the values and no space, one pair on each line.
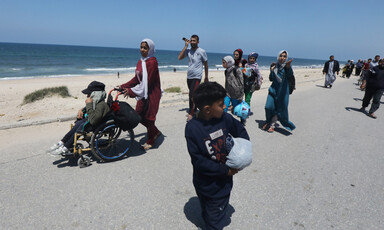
[205,135]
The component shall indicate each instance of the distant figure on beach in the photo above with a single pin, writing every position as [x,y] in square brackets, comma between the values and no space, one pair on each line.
[374,89]
[276,107]
[359,67]
[349,70]
[174,70]
[366,66]
[197,58]
[238,56]
[330,68]
[375,62]
[364,73]
[145,86]
[94,111]
[118,74]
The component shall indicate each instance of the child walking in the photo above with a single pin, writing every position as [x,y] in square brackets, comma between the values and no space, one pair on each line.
[206,137]
[253,78]
[234,85]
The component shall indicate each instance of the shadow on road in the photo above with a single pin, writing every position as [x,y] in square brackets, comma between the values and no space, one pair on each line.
[184,109]
[142,141]
[136,150]
[260,124]
[66,162]
[355,109]
[283,131]
[357,99]
[322,86]
[358,110]
[192,211]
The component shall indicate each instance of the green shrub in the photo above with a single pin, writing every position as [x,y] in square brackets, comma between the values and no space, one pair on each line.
[46,92]
[175,89]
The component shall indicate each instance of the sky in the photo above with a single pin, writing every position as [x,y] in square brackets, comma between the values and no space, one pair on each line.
[313,29]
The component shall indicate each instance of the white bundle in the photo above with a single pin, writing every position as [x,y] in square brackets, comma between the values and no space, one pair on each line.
[240,155]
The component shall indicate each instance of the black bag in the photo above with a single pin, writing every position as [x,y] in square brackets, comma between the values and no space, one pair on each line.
[251,83]
[292,84]
[124,115]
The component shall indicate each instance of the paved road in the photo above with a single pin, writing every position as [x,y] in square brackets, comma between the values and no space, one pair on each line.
[327,175]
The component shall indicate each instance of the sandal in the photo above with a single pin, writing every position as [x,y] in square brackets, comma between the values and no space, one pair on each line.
[265,126]
[271,129]
[146,146]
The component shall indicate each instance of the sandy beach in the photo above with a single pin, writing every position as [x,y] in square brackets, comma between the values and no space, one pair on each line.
[12,92]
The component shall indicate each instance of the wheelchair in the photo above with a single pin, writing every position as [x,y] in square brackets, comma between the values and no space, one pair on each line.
[107,142]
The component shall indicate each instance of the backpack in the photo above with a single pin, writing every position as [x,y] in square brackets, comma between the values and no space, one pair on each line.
[125,117]
[123,114]
[292,84]
[251,85]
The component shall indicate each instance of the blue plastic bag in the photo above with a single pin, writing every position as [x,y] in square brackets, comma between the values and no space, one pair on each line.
[242,110]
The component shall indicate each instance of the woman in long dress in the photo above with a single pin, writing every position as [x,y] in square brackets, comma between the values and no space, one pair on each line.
[145,86]
[276,107]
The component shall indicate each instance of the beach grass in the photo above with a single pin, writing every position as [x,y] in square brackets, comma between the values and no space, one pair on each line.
[175,89]
[46,92]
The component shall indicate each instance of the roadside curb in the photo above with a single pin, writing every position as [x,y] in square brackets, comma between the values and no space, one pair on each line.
[32,123]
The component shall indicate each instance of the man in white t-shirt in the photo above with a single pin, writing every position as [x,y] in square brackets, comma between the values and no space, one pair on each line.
[197,58]
[374,63]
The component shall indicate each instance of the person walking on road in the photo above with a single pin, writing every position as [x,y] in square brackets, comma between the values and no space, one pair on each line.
[374,89]
[206,136]
[374,62]
[276,107]
[145,86]
[330,68]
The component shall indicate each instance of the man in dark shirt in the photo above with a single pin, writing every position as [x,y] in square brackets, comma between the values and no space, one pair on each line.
[374,89]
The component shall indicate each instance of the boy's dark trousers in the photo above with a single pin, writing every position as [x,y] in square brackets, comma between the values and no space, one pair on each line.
[214,211]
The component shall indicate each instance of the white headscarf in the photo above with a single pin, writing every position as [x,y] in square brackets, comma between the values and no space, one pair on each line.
[151,46]
[141,90]
[97,96]
[230,61]
[280,66]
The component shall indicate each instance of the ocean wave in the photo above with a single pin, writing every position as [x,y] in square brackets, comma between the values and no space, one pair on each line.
[9,70]
[173,66]
[110,69]
[41,76]
[217,69]
[309,66]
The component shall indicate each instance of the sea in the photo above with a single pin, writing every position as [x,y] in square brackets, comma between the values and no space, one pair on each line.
[19,60]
